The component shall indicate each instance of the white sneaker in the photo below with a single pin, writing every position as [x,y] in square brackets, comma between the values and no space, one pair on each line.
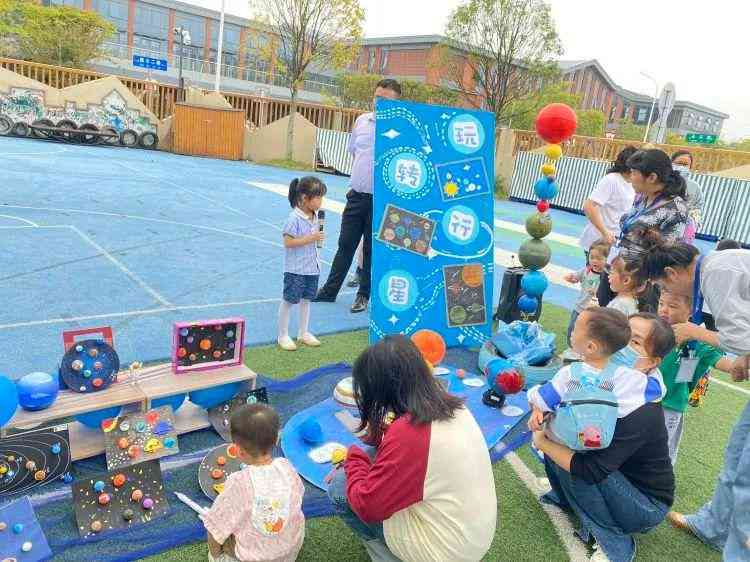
[287,344]
[309,340]
[599,556]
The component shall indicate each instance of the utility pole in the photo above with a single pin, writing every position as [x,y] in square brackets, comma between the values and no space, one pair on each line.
[217,82]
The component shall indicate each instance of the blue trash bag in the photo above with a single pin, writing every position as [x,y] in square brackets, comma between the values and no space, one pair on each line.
[523,343]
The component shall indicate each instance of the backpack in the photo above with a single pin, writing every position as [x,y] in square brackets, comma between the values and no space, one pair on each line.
[586,417]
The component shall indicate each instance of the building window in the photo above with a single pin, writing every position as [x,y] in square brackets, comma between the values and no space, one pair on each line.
[151,21]
[72,3]
[642,115]
[115,11]
[149,46]
[625,110]
[194,25]
[371,60]
[383,61]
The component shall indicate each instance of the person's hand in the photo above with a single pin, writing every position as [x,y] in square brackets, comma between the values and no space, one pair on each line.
[317,236]
[741,369]
[536,420]
[685,332]
[609,237]
[539,439]
[571,278]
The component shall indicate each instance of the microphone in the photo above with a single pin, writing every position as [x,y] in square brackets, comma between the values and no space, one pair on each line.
[321,224]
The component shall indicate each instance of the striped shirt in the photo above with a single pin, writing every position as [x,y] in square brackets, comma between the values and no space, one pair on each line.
[302,260]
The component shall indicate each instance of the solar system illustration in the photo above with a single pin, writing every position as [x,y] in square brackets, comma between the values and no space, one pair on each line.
[133,438]
[89,366]
[406,230]
[219,415]
[207,344]
[216,466]
[464,294]
[119,498]
[433,166]
[21,537]
[33,458]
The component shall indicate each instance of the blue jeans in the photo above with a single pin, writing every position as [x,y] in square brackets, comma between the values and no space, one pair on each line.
[612,510]
[724,522]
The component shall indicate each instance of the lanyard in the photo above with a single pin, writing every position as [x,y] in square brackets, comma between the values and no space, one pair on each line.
[697,315]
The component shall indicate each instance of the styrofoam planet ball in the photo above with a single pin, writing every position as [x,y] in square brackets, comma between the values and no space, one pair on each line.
[527,304]
[539,225]
[495,367]
[553,151]
[311,432]
[556,123]
[210,397]
[175,401]
[94,419]
[509,381]
[546,188]
[534,254]
[430,344]
[534,283]
[548,169]
[8,400]
[37,391]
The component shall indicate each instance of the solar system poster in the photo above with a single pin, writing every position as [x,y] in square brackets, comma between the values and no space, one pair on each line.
[433,223]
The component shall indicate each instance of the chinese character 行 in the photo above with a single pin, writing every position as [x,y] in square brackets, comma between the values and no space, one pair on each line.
[461,225]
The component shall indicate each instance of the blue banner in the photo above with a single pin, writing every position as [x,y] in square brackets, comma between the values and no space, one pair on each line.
[148,62]
[433,235]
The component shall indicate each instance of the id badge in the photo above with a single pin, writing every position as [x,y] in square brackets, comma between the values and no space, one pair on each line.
[688,365]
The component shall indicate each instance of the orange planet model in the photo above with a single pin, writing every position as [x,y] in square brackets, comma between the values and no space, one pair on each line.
[431,345]
[473,275]
[205,344]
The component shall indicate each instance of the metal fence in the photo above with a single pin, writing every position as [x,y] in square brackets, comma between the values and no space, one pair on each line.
[332,151]
[726,205]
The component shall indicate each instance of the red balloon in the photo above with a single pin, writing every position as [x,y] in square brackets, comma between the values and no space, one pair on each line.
[542,206]
[510,381]
[556,123]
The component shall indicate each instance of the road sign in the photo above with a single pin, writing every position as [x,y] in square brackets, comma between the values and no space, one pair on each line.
[665,105]
[699,138]
[148,62]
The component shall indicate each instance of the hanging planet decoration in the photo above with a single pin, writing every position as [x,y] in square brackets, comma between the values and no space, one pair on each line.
[534,254]
[555,124]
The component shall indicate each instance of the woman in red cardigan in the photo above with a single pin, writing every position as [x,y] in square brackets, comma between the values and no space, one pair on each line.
[427,493]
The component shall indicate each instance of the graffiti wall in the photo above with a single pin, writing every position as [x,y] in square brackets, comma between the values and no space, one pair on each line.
[105,103]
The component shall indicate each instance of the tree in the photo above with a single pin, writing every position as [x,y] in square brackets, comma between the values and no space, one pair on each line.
[674,139]
[522,112]
[310,34]
[743,145]
[53,35]
[357,91]
[628,130]
[506,46]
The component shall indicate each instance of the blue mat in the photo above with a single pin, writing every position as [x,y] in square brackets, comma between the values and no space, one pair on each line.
[181,526]
[502,433]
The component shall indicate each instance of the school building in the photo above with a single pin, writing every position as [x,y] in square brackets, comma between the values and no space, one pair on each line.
[146,27]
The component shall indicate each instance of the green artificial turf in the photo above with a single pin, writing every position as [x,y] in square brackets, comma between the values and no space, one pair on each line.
[524,532]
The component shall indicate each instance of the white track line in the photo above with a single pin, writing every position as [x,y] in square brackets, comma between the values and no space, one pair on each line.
[50,153]
[338,207]
[122,267]
[560,521]
[145,312]
[729,385]
[28,222]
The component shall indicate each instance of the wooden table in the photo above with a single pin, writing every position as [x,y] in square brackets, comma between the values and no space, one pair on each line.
[148,384]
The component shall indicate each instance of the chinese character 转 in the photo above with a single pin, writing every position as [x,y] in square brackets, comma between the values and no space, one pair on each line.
[408,172]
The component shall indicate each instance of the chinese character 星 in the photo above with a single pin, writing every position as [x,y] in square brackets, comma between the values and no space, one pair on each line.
[398,290]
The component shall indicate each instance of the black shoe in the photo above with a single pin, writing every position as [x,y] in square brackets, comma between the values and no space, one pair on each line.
[353,281]
[323,297]
[360,304]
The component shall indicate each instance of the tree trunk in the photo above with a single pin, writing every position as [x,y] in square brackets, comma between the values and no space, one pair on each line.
[290,127]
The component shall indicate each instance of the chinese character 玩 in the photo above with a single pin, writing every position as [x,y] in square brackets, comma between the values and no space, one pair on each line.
[466,134]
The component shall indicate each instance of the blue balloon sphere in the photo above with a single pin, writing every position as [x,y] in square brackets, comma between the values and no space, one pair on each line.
[534,283]
[175,401]
[527,304]
[8,400]
[37,391]
[546,188]
[210,397]
[311,432]
[94,419]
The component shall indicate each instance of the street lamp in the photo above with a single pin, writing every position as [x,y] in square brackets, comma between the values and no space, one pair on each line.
[217,82]
[183,36]
[653,103]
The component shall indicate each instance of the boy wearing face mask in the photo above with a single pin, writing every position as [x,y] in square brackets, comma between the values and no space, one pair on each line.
[683,368]
[682,161]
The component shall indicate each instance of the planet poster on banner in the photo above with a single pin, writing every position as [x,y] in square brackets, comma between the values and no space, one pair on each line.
[433,236]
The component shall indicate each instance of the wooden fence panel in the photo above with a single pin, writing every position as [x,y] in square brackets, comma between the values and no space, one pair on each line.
[203,131]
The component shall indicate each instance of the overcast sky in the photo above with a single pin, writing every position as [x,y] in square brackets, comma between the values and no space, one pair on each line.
[700,46]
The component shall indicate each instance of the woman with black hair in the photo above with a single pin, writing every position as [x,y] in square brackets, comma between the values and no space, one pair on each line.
[428,493]
[609,200]
[723,280]
[659,207]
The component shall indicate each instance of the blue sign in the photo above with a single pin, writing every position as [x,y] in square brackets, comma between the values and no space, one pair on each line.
[151,64]
[433,222]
